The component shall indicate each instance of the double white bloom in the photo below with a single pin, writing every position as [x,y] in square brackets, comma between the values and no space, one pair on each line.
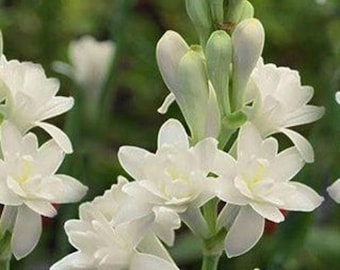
[29,186]
[280,102]
[259,183]
[29,99]
[104,244]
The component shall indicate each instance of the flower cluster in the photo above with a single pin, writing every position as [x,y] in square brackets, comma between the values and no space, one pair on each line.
[29,184]
[228,96]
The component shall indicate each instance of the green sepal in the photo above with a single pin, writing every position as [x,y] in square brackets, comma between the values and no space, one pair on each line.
[218,60]
[234,120]
[199,13]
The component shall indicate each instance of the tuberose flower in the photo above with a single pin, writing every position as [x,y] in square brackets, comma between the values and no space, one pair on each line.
[28,99]
[102,244]
[174,181]
[334,191]
[258,185]
[29,186]
[280,103]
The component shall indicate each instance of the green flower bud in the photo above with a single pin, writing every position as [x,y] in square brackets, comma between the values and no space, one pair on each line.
[199,14]
[247,12]
[247,42]
[234,11]
[216,7]
[193,94]
[218,59]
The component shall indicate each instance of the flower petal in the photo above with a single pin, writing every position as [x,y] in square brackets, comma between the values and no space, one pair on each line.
[245,232]
[150,262]
[62,188]
[301,143]
[56,106]
[58,135]
[70,262]
[169,51]
[43,208]
[10,139]
[166,103]
[173,133]
[268,211]
[132,160]
[249,141]
[334,191]
[26,232]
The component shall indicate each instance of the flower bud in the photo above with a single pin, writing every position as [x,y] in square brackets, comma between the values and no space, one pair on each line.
[247,42]
[216,7]
[218,59]
[199,13]
[247,12]
[170,49]
[234,11]
[193,92]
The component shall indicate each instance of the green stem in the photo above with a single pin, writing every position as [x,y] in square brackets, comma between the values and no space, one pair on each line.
[210,262]
[5,264]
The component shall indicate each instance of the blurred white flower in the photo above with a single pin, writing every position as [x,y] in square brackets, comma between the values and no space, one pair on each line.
[337,97]
[280,103]
[174,181]
[29,186]
[259,183]
[28,98]
[334,191]
[102,245]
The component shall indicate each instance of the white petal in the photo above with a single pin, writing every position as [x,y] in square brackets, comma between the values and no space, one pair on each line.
[307,114]
[268,211]
[62,188]
[169,51]
[56,106]
[245,232]
[166,221]
[173,133]
[205,151]
[194,219]
[166,103]
[26,233]
[132,160]
[11,139]
[337,97]
[49,158]
[301,198]
[286,165]
[213,120]
[58,135]
[43,208]
[224,165]
[334,191]
[249,141]
[227,216]
[150,262]
[301,143]
[227,192]
[70,262]
[152,245]
[7,196]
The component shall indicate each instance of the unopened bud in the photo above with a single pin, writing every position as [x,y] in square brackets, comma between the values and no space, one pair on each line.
[247,12]
[247,42]
[217,13]
[199,14]
[218,59]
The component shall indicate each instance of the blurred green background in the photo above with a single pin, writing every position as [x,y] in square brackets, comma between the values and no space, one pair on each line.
[304,35]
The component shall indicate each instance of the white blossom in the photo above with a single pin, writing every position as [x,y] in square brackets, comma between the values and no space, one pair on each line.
[258,182]
[173,182]
[103,244]
[29,186]
[28,99]
[280,103]
[334,191]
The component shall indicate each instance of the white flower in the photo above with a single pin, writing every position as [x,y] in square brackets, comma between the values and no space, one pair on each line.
[102,245]
[91,60]
[259,183]
[174,181]
[28,98]
[280,103]
[29,185]
[334,191]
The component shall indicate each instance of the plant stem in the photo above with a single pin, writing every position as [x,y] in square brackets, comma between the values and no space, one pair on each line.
[5,264]
[210,262]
